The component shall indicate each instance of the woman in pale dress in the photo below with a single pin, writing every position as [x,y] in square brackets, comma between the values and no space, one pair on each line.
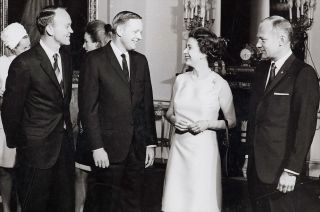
[97,34]
[16,41]
[193,174]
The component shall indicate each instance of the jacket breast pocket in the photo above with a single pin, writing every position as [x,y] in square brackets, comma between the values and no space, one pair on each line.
[278,109]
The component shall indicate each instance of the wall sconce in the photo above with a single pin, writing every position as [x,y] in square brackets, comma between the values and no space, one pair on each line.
[304,12]
[301,12]
[199,13]
[301,16]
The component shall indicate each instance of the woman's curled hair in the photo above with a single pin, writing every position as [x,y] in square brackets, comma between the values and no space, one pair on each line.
[208,43]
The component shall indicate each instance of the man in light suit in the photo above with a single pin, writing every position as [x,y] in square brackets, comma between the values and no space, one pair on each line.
[282,120]
[36,117]
[116,109]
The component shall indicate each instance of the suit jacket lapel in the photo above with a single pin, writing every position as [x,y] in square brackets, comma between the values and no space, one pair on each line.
[281,73]
[65,75]
[261,81]
[132,69]
[115,63]
[47,66]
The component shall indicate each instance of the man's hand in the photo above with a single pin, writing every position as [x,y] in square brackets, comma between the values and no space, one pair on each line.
[286,182]
[101,158]
[149,156]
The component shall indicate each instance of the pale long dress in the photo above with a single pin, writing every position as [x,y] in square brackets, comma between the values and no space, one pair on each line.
[193,174]
[7,155]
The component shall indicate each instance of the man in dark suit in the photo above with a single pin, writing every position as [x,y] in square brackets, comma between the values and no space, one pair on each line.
[282,120]
[116,109]
[36,117]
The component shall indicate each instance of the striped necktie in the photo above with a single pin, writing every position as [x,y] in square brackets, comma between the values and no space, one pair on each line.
[57,71]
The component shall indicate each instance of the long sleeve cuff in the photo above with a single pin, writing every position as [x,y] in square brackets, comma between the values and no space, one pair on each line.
[291,172]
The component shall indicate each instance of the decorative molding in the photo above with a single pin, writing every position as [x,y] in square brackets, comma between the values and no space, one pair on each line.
[92,10]
[3,20]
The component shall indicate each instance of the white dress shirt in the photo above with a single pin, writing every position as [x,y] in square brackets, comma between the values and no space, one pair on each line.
[118,54]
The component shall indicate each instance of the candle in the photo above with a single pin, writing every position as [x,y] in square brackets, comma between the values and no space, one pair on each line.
[203,11]
[311,8]
[186,5]
[213,12]
[192,7]
[302,6]
[196,7]
[298,6]
[290,4]
[208,7]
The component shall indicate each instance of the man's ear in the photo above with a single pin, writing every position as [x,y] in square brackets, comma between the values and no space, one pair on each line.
[283,39]
[49,29]
[119,30]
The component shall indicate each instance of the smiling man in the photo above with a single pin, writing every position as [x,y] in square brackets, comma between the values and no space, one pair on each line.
[282,120]
[116,109]
[36,117]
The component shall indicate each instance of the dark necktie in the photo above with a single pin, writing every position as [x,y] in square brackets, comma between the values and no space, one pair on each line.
[57,71]
[125,66]
[272,74]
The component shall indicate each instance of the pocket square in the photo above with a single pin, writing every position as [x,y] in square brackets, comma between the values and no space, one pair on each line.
[281,94]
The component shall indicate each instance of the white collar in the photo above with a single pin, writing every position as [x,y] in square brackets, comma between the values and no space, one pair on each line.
[117,51]
[118,54]
[279,63]
[48,51]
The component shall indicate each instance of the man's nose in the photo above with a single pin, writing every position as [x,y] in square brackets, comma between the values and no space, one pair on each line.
[258,45]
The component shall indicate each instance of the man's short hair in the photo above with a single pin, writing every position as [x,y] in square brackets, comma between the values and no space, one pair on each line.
[280,24]
[45,17]
[122,18]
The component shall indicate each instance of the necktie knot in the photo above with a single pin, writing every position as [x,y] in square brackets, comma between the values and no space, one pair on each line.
[55,57]
[273,66]
[55,64]
[273,70]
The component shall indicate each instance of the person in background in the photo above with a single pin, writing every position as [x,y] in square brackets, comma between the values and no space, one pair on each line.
[117,113]
[36,117]
[282,120]
[16,41]
[97,34]
[193,173]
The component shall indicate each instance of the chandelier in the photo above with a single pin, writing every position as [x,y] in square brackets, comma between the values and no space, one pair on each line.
[199,13]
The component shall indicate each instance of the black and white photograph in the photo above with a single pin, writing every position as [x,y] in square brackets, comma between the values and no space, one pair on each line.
[159,106]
